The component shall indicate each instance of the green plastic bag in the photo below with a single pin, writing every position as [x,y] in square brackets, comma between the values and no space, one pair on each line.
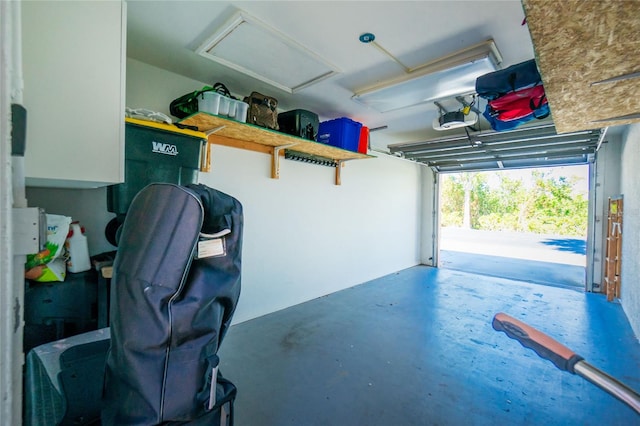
[49,264]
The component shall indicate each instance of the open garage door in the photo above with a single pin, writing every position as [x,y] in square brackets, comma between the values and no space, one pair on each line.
[524,148]
[516,223]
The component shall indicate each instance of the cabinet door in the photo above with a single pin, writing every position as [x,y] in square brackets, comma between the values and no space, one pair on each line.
[73,67]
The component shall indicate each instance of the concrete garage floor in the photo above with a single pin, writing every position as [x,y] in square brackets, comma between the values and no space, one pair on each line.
[541,259]
[417,348]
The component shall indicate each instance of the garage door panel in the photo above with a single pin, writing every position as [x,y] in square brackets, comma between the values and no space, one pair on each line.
[536,146]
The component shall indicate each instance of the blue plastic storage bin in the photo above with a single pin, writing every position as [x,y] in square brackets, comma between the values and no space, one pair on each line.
[341,132]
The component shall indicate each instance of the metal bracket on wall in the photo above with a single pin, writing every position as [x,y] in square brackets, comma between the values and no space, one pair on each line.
[214,130]
[206,154]
[29,230]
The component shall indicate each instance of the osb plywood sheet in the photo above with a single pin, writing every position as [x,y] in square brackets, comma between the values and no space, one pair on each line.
[247,132]
[579,42]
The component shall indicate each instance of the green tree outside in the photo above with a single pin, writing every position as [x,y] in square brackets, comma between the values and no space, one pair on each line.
[547,205]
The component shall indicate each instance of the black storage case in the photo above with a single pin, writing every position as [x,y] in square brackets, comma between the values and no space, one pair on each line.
[299,122]
[53,311]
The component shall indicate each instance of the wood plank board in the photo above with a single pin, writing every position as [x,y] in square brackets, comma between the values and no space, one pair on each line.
[232,129]
[578,43]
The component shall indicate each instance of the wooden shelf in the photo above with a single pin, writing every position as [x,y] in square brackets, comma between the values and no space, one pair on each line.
[223,131]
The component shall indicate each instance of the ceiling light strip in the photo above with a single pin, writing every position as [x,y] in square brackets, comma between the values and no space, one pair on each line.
[452,75]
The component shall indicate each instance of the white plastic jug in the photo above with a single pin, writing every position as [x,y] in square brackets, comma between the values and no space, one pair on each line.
[78,250]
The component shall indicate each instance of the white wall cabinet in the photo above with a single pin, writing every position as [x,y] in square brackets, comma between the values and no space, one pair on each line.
[74,89]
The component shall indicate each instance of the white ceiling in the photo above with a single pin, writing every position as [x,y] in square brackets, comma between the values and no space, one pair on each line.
[166,34]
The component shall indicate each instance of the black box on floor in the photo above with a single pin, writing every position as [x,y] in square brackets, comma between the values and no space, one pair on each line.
[299,122]
[53,311]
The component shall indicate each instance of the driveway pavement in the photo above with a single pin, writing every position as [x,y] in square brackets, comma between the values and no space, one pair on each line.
[541,259]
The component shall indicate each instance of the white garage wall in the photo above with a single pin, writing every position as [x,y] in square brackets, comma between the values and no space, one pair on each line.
[607,184]
[630,188]
[304,237]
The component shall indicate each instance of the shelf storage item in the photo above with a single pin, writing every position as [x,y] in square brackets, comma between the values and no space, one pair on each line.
[222,131]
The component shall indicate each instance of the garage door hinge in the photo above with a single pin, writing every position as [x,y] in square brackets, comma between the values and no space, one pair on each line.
[29,230]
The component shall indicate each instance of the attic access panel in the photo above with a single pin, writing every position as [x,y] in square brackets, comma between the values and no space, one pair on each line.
[535,146]
[251,47]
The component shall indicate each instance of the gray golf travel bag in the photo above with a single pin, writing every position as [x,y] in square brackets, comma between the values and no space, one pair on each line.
[175,286]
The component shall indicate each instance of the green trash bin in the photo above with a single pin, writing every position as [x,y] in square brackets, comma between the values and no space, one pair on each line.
[154,152]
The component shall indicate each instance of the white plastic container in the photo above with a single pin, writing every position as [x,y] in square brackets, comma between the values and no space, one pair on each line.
[224,105]
[241,111]
[215,103]
[232,108]
[78,250]
[210,102]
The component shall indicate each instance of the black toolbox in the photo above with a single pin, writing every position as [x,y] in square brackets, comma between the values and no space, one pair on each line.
[299,122]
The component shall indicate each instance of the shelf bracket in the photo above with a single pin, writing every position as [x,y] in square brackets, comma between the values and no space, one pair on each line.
[339,164]
[275,159]
[205,165]
[214,130]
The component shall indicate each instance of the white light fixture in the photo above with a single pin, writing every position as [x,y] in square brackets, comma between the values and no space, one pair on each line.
[446,77]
